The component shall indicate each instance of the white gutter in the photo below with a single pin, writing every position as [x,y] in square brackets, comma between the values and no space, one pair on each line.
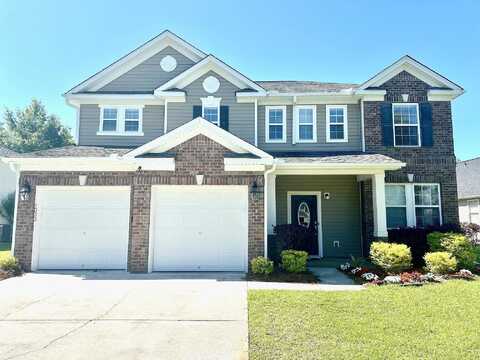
[363,124]
[265,208]
[256,121]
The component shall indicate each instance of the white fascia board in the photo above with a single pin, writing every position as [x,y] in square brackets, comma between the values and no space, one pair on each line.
[171,96]
[415,68]
[369,168]
[90,164]
[242,164]
[137,56]
[210,63]
[193,128]
[443,95]
[113,99]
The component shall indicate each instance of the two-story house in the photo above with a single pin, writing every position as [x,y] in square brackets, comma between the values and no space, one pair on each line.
[185,163]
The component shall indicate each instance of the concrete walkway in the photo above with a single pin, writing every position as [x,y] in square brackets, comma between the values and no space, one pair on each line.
[115,315]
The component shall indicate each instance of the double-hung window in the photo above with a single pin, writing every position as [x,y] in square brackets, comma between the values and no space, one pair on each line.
[412,205]
[306,123]
[474,211]
[109,119]
[275,124]
[427,205]
[132,120]
[406,125]
[120,121]
[396,204]
[337,123]
[211,109]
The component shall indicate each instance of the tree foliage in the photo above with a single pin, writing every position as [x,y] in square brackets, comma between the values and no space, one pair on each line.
[32,129]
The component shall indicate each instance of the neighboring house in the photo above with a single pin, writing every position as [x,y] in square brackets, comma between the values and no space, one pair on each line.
[468,179]
[185,163]
[7,179]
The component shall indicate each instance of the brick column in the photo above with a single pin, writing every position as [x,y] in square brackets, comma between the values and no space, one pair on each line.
[138,244]
[256,225]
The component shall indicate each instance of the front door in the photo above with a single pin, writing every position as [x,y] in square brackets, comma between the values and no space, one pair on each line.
[304,213]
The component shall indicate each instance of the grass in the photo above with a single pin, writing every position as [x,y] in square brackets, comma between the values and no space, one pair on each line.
[4,249]
[391,322]
[280,276]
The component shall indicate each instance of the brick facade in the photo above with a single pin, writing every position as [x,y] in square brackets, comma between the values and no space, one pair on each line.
[199,155]
[436,164]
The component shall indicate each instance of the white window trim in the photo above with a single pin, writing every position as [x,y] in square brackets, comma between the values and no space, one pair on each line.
[399,125]
[410,202]
[121,121]
[296,119]
[284,124]
[475,203]
[345,123]
[211,102]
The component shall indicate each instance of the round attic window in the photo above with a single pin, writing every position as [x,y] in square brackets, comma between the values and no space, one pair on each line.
[211,84]
[168,63]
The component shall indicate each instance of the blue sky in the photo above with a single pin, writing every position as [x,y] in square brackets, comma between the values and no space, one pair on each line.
[49,46]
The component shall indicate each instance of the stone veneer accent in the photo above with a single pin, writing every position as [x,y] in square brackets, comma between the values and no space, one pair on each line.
[435,164]
[199,155]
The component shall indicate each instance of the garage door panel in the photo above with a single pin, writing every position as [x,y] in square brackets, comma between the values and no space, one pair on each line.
[75,230]
[200,228]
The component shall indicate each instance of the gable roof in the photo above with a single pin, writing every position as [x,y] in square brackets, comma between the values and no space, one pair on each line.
[6,152]
[468,178]
[207,64]
[137,56]
[414,67]
[191,129]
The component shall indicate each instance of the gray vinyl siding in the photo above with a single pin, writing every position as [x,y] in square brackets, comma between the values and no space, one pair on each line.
[148,75]
[340,215]
[241,116]
[354,132]
[90,122]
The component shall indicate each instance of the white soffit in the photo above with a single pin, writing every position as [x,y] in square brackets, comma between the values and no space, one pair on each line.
[136,57]
[191,129]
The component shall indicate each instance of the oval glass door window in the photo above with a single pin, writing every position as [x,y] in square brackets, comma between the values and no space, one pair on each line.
[303,214]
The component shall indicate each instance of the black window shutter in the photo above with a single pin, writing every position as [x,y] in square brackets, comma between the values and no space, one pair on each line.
[224,117]
[197,111]
[426,131]
[387,124]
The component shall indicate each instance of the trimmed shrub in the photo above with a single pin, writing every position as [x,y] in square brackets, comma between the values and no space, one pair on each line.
[261,265]
[456,244]
[416,239]
[294,261]
[10,264]
[440,262]
[294,236]
[392,258]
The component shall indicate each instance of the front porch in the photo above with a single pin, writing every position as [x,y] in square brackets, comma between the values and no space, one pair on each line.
[343,203]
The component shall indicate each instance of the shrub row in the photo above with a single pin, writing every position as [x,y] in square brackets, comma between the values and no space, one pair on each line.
[293,261]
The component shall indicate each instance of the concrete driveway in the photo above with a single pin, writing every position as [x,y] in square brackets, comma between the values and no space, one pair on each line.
[114,315]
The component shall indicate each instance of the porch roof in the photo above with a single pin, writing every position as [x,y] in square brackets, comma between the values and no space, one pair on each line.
[335,157]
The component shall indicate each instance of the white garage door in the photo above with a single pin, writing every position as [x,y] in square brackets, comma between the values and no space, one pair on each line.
[81,228]
[200,228]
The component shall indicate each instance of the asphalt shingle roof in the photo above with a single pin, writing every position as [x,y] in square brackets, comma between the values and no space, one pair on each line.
[289,86]
[334,157]
[468,178]
[6,152]
[75,151]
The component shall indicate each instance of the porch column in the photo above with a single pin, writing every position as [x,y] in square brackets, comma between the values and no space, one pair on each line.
[271,203]
[379,209]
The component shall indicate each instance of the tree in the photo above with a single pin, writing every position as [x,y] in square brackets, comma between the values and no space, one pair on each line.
[31,129]
[7,207]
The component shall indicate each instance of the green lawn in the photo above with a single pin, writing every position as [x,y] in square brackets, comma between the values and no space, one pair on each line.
[4,249]
[439,321]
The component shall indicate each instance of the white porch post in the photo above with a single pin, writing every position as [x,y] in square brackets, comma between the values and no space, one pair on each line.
[271,203]
[379,210]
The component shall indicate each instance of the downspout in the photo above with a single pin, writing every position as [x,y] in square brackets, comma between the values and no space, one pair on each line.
[256,121]
[363,124]
[265,207]
[165,117]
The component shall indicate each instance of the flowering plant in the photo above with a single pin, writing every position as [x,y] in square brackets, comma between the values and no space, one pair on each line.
[345,267]
[355,270]
[370,276]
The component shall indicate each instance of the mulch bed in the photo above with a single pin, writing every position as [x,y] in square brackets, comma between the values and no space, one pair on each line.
[284,277]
